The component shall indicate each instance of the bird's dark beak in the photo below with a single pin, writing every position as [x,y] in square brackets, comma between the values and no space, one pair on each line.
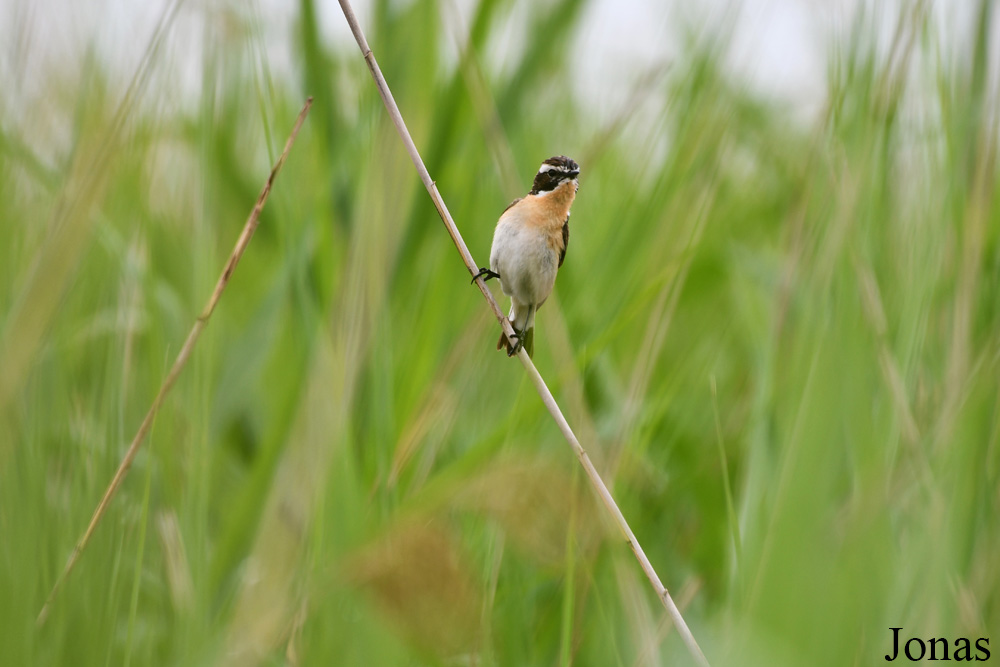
[574,174]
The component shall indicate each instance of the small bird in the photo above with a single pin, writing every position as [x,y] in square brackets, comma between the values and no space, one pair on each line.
[529,246]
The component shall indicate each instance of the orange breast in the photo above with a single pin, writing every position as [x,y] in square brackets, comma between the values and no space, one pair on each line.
[549,212]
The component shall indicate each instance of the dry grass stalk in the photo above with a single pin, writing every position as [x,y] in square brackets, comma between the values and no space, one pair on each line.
[179,363]
[540,386]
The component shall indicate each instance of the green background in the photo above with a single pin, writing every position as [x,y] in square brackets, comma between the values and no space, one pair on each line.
[778,340]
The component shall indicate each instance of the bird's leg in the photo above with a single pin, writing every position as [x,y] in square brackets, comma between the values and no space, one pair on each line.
[484,272]
[521,334]
[518,342]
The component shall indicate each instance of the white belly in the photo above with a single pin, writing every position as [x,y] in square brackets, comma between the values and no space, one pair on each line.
[525,262]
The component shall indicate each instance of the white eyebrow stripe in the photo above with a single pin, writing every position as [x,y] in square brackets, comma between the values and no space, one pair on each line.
[545,167]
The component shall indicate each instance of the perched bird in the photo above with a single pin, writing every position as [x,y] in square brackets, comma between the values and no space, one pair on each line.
[529,246]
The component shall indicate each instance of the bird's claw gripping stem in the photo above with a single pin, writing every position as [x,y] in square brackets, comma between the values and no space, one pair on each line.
[518,343]
[484,272]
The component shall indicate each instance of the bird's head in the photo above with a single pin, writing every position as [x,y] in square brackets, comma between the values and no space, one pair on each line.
[554,172]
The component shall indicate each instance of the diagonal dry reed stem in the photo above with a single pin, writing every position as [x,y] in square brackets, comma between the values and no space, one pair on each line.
[540,386]
[179,363]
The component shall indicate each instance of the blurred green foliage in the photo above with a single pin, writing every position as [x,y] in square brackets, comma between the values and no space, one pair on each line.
[800,318]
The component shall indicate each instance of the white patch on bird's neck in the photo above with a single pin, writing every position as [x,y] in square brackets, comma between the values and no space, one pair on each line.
[542,193]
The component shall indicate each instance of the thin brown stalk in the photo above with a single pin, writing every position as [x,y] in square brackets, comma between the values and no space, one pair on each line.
[179,363]
[540,386]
